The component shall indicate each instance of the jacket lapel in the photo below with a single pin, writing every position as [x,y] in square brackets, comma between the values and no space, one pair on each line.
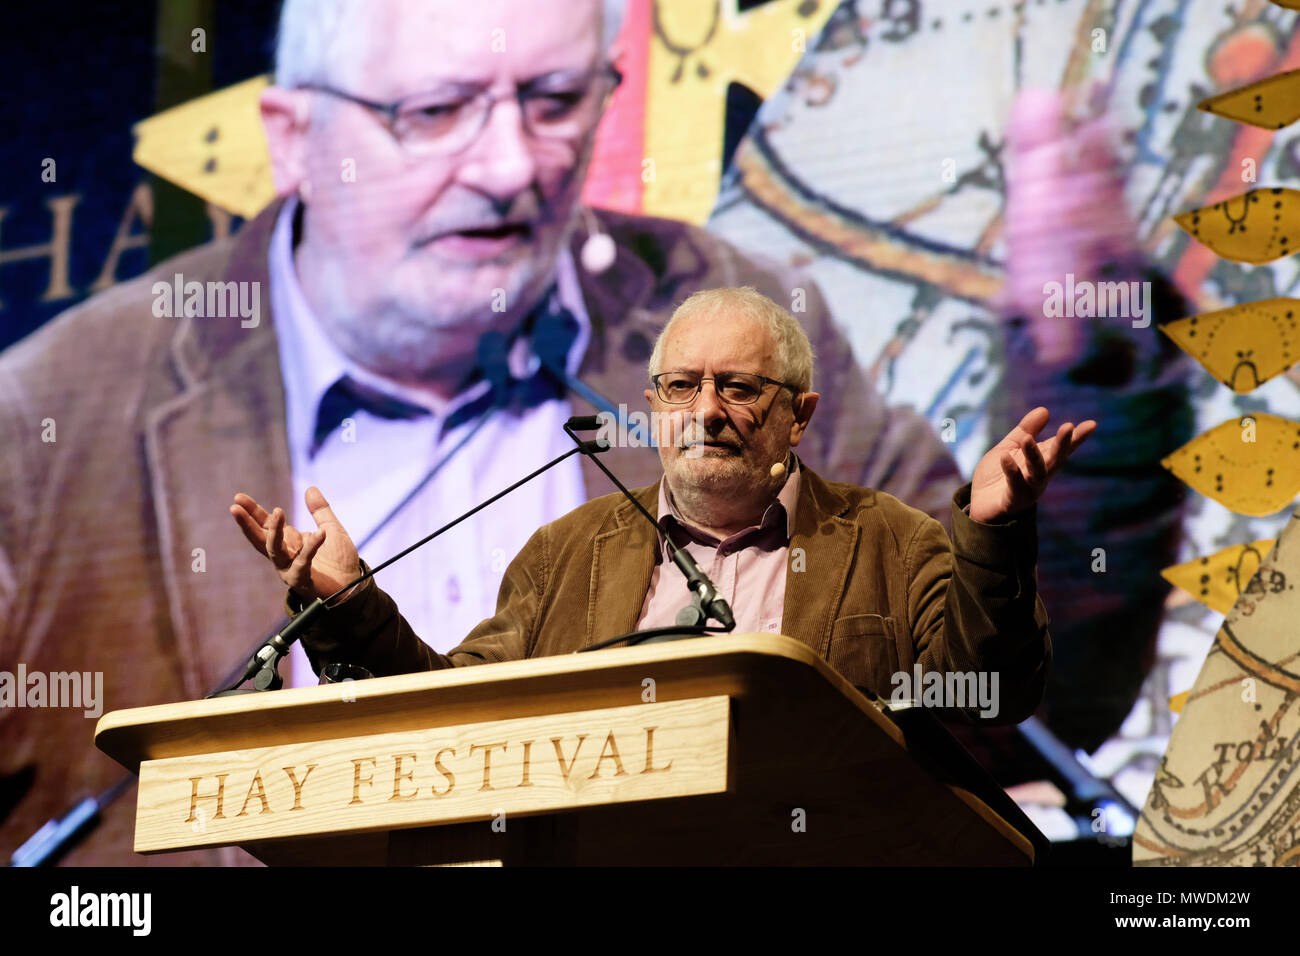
[828,541]
[623,562]
[223,432]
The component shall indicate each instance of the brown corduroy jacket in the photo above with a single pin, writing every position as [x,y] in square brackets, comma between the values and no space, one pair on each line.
[874,587]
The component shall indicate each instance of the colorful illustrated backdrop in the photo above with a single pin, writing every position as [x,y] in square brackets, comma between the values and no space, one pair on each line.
[863,142]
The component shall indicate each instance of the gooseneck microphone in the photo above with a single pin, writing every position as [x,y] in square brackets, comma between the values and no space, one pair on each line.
[598,251]
[262,666]
[711,603]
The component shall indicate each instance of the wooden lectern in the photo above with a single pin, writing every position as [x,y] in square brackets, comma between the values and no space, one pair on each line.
[739,749]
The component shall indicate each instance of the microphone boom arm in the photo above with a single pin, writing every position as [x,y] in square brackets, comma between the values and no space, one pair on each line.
[262,666]
[714,605]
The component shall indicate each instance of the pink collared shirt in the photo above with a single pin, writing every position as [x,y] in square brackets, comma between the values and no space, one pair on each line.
[748,568]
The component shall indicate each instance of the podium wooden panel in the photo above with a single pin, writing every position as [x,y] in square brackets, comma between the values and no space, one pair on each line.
[739,749]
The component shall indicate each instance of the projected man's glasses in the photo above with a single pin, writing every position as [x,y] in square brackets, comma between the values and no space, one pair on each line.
[561,107]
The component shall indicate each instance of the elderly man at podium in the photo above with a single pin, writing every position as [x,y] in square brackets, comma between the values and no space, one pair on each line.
[874,586]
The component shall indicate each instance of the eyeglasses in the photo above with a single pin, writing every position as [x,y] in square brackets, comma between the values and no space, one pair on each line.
[734,388]
[555,107]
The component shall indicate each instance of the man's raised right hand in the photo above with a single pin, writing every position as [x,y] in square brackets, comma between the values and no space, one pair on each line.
[314,564]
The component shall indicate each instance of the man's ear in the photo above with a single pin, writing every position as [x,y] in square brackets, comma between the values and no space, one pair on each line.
[804,406]
[285,118]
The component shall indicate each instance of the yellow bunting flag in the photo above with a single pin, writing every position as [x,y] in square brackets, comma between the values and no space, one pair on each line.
[1243,346]
[697,50]
[1250,465]
[1216,580]
[1256,227]
[1271,103]
[214,147]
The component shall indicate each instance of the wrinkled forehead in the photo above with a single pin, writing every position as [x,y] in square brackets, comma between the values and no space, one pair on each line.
[397,47]
[724,340]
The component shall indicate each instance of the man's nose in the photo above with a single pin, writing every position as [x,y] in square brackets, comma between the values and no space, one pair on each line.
[709,410]
[501,162]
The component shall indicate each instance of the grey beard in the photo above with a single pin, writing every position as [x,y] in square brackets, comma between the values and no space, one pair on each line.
[392,339]
[404,346]
[707,502]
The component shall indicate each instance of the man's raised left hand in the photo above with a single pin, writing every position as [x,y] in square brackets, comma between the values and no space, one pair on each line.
[1012,476]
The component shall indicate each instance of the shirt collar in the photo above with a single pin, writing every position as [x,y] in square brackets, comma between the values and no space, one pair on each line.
[787,500]
[311,363]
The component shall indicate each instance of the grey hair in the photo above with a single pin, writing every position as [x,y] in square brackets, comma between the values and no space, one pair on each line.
[794,351]
[311,32]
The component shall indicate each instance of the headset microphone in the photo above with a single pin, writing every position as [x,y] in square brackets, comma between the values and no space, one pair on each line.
[598,252]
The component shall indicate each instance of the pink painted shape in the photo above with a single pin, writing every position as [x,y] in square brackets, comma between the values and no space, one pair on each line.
[614,178]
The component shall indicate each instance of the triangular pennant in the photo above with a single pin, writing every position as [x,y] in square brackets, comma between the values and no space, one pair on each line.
[1250,465]
[1270,103]
[213,146]
[1216,580]
[1257,227]
[1243,346]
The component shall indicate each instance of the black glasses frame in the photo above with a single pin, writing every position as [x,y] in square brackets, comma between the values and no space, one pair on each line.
[699,386]
[392,110]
